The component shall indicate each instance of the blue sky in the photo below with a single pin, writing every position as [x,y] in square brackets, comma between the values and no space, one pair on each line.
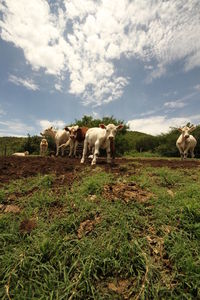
[136,60]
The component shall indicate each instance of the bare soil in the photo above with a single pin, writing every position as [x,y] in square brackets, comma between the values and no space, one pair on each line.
[12,168]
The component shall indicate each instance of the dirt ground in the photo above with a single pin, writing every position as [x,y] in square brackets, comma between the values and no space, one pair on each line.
[22,167]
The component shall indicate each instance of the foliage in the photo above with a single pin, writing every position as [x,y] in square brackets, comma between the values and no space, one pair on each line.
[32,144]
[147,143]
[89,121]
[167,144]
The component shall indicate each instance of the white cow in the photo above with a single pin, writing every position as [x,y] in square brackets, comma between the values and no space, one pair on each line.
[21,153]
[186,142]
[43,147]
[97,138]
[60,136]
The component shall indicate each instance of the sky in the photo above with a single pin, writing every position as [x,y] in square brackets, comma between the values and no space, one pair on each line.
[136,60]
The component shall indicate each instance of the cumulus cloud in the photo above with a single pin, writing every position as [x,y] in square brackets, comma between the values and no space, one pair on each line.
[160,124]
[175,104]
[44,124]
[82,42]
[197,87]
[28,83]
[2,111]
[58,87]
[14,128]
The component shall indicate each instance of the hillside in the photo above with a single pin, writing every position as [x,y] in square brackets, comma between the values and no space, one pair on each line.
[11,144]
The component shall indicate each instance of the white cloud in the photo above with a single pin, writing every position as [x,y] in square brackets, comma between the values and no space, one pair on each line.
[197,87]
[160,124]
[58,87]
[175,104]
[14,128]
[83,41]
[28,83]
[148,113]
[44,124]
[2,112]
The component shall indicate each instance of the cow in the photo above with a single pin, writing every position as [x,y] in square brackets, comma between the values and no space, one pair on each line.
[20,153]
[43,147]
[102,137]
[60,136]
[186,142]
[77,136]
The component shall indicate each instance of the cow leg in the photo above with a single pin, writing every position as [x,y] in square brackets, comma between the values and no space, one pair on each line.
[108,154]
[75,147]
[85,146]
[181,152]
[192,152]
[91,155]
[57,149]
[71,148]
[96,153]
[186,151]
[62,151]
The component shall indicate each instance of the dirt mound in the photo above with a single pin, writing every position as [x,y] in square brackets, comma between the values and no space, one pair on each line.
[170,163]
[126,192]
[10,208]
[22,167]
[27,225]
[87,226]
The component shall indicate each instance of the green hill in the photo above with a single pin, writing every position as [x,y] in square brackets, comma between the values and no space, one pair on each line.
[9,145]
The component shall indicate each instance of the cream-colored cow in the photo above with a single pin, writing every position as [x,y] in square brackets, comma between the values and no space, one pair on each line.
[60,137]
[20,153]
[43,147]
[186,142]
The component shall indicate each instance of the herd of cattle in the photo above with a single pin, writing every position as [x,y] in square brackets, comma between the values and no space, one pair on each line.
[94,139]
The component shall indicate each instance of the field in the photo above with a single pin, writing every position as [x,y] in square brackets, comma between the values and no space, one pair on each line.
[129,230]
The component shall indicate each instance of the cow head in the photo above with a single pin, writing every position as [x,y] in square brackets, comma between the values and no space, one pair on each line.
[186,131]
[48,131]
[73,130]
[44,141]
[111,130]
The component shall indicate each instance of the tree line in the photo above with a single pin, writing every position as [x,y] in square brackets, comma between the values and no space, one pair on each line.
[127,142]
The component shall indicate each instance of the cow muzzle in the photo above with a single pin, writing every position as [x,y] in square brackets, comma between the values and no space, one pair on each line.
[111,138]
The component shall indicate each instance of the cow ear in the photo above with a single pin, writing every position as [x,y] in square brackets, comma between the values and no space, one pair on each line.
[180,129]
[76,127]
[119,127]
[102,126]
[66,128]
[192,128]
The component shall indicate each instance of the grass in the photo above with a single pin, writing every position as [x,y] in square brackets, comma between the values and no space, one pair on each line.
[145,154]
[134,250]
